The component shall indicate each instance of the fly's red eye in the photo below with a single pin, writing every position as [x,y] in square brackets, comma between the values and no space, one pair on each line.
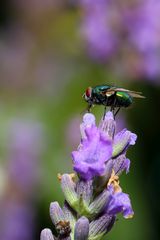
[88,92]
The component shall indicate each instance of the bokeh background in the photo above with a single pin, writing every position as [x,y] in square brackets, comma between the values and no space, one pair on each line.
[50,52]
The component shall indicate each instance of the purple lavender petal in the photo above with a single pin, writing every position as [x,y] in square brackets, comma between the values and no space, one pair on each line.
[125,134]
[95,150]
[122,141]
[120,164]
[88,121]
[108,125]
[120,202]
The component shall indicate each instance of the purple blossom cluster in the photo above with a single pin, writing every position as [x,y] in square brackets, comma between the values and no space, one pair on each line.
[93,195]
[128,32]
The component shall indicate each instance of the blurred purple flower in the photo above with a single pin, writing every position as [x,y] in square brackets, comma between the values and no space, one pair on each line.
[92,3]
[25,148]
[96,31]
[129,32]
[145,25]
[16,50]
[71,127]
[18,221]
[144,33]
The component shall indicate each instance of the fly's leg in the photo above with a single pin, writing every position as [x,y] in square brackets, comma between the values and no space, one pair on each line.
[89,108]
[113,108]
[105,108]
[116,112]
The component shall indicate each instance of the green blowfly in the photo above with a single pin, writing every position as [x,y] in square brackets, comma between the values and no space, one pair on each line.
[114,97]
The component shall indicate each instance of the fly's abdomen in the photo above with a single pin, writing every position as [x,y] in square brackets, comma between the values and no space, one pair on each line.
[123,99]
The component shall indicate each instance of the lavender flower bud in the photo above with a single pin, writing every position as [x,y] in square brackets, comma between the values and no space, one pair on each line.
[122,141]
[56,213]
[46,234]
[100,226]
[58,218]
[99,203]
[68,188]
[120,164]
[85,190]
[81,229]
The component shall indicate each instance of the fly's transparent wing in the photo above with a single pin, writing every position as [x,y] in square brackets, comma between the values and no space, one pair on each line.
[136,95]
[130,92]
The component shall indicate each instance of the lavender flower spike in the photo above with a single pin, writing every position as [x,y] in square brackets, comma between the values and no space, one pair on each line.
[94,197]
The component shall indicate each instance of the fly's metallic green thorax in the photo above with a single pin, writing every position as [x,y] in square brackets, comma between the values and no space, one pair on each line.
[97,94]
[101,88]
[106,95]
